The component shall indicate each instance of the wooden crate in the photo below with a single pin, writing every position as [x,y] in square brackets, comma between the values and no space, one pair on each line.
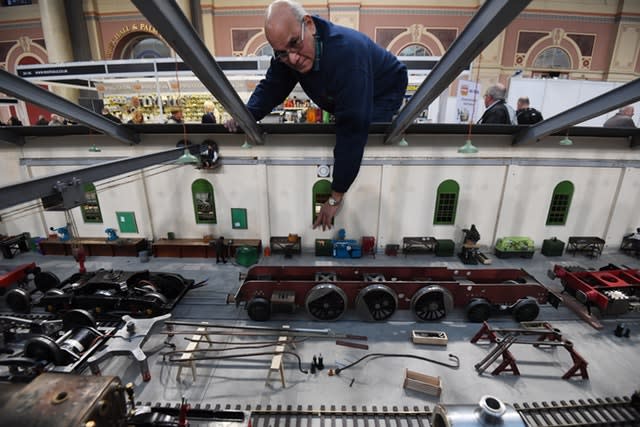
[422,382]
[429,337]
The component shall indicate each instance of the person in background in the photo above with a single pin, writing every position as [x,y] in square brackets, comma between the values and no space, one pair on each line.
[221,249]
[525,114]
[14,121]
[498,111]
[208,116]
[42,121]
[176,117]
[343,71]
[210,155]
[622,119]
[106,113]
[137,118]
[56,120]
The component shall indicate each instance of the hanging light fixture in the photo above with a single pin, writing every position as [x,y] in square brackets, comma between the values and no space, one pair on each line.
[246,145]
[566,140]
[403,142]
[468,147]
[95,149]
[186,158]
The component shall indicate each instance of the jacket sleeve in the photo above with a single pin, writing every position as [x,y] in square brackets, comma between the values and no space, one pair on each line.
[354,106]
[272,90]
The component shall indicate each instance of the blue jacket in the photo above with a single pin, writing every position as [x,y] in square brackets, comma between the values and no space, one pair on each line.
[352,75]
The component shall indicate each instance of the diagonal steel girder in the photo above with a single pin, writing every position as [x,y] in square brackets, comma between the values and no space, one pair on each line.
[485,25]
[29,92]
[616,98]
[7,136]
[37,188]
[168,19]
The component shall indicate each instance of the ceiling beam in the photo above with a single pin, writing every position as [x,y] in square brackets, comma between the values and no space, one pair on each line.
[168,19]
[50,185]
[485,25]
[616,98]
[7,135]
[29,92]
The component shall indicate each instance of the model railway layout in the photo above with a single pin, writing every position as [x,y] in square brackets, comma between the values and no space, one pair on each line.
[377,292]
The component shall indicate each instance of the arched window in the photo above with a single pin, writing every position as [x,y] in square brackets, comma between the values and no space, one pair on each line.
[415,50]
[145,46]
[560,203]
[552,57]
[91,208]
[320,194]
[446,203]
[204,203]
[265,50]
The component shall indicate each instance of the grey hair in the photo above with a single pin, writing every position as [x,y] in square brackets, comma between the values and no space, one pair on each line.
[497,91]
[296,8]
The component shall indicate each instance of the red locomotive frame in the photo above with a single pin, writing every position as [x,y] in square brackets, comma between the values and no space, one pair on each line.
[377,292]
[610,291]
[17,274]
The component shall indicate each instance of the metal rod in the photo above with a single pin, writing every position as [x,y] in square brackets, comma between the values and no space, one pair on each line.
[167,17]
[27,91]
[485,25]
[618,97]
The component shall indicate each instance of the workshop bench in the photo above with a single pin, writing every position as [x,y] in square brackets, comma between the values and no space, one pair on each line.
[199,248]
[418,245]
[94,246]
[590,245]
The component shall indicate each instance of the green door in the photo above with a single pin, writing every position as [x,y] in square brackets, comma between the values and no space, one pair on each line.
[127,222]
[239,218]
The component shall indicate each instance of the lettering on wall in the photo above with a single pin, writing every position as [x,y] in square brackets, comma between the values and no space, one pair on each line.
[126,30]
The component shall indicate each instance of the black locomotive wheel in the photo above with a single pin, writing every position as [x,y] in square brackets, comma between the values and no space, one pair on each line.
[45,348]
[431,303]
[259,309]
[376,302]
[326,302]
[45,281]
[526,310]
[478,310]
[76,318]
[18,300]
[169,284]
[381,304]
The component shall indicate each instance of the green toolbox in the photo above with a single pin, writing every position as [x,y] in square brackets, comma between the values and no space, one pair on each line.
[552,247]
[324,247]
[445,247]
[247,255]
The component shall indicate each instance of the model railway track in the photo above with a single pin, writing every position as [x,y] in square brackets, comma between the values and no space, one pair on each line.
[341,417]
[614,411]
[607,412]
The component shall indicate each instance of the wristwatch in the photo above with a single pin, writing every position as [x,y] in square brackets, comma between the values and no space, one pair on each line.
[334,202]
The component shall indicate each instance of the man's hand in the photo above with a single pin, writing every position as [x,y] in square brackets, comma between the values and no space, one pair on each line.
[231,125]
[327,212]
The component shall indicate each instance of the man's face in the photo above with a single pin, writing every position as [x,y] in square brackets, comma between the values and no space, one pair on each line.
[292,41]
[488,100]
[522,105]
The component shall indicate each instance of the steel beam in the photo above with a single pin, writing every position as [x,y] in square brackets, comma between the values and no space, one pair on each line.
[616,98]
[46,186]
[7,136]
[29,92]
[168,19]
[486,24]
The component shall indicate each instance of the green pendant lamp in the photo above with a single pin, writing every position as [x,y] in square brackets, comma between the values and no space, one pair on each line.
[566,141]
[468,148]
[187,158]
[246,145]
[403,142]
[95,149]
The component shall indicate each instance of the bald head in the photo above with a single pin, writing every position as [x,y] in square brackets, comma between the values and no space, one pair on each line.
[627,111]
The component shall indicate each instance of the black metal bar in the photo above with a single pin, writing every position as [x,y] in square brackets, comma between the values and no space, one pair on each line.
[167,17]
[486,24]
[20,88]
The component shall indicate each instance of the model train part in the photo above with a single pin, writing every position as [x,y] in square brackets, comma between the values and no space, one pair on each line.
[609,291]
[377,292]
[489,411]
[104,292]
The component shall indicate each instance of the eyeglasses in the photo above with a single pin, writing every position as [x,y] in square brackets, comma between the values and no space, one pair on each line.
[293,46]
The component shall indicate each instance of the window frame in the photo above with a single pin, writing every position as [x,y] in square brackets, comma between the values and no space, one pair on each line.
[202,186]
[564,189]
[446,187]
[90,188]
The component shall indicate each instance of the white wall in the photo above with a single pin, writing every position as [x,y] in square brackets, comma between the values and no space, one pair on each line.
[393,196]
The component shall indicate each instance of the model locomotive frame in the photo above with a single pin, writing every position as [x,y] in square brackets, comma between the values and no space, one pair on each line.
[377,292]
[103,292]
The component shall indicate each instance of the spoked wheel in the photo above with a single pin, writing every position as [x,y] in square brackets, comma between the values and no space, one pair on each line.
[526,310]
[376,302]
[478,310]
[326,301]
[431,303]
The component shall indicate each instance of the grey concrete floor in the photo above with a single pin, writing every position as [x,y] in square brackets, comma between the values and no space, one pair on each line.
[613,362]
